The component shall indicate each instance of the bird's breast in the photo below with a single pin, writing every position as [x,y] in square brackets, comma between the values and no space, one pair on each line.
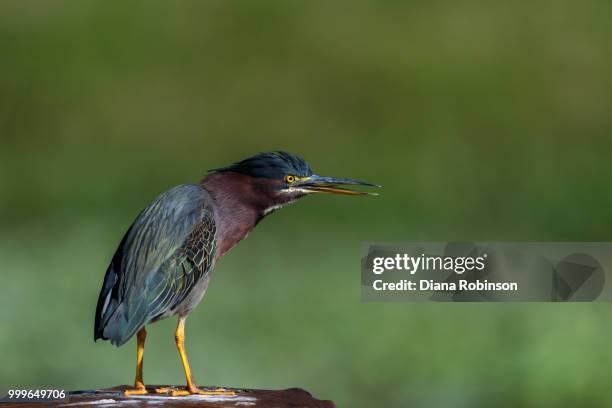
[233,227]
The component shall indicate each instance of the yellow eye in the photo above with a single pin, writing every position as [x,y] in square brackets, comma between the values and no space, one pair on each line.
[289,178]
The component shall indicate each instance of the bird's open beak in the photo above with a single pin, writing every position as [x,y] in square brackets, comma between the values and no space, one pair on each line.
[320,184]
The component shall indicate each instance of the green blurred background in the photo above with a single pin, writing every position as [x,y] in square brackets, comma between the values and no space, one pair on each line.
[485,120]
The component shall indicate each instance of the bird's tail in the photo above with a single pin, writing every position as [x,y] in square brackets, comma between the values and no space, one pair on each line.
[118,329]
[111,322]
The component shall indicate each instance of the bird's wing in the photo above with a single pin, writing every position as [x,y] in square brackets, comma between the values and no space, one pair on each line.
[168,248]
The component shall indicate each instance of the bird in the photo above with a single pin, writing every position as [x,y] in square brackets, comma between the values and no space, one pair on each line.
[163,264]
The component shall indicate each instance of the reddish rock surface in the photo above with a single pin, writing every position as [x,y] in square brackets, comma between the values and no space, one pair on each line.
[113,397]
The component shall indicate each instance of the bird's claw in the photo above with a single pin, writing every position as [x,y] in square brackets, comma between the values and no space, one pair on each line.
[220,392]
[175,392]
[139,389]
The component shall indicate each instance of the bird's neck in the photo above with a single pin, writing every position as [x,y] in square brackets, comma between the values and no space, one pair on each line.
[238,207]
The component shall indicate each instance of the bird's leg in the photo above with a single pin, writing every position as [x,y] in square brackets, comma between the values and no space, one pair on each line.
[139,387]
[191,388]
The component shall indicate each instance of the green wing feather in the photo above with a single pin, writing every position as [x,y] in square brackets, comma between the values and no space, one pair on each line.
[167,250]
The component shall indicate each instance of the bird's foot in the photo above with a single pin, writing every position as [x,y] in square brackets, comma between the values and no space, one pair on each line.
[175,392]
[164,390]
[139,389]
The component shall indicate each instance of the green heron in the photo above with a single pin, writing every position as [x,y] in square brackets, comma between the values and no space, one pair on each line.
[162,265]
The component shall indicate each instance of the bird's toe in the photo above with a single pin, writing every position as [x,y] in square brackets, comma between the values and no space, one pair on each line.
[139,389]
[219,392]
[165,390]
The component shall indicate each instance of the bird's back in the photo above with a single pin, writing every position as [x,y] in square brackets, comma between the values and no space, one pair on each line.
[168,249]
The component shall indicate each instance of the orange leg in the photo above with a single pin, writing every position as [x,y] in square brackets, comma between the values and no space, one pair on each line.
[139,387]
[191,388]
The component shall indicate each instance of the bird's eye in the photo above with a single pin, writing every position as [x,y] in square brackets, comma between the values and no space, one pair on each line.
[289,178]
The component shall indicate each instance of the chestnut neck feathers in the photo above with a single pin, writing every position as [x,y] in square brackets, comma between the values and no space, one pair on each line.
[239,203]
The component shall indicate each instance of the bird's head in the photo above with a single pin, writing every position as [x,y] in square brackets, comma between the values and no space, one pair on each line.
[279,178]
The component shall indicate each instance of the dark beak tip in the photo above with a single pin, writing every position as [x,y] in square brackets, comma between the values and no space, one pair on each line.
[371,184]
[367,183]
